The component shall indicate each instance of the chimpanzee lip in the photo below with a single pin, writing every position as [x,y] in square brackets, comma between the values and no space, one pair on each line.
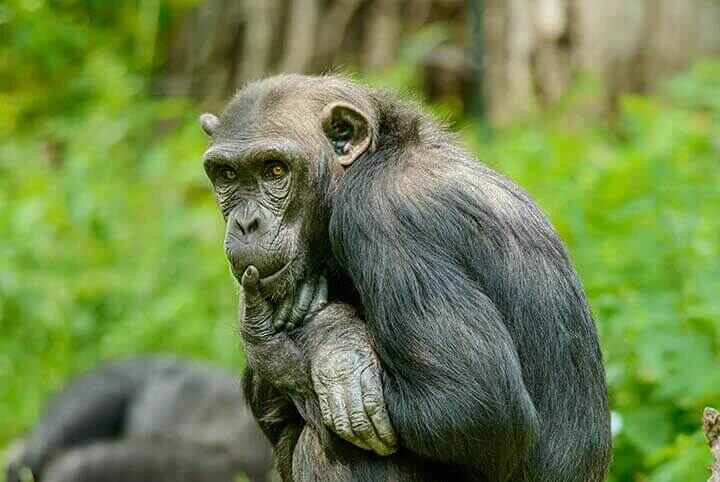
[276,275]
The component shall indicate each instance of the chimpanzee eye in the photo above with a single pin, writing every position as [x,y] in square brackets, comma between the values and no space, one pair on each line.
[275,170]
[229,174]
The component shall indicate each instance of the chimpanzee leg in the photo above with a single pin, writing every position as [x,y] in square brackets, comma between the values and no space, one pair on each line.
[322,457]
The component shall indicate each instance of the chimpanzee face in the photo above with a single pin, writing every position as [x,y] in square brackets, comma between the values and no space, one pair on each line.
[275,155]
[254,191]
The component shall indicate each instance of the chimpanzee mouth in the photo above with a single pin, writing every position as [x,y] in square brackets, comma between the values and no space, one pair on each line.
[276,275]
[239,267]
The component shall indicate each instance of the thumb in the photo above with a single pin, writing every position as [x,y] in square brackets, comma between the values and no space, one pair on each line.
[257,319]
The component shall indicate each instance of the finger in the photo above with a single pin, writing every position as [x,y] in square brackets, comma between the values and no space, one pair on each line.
[305,297]
[283,313]
[321,296]
[251,282]
[257,312]
[320,299]
[254,301]
[360,422]
[340,419]
[374,404]
[323,401]
[324,407]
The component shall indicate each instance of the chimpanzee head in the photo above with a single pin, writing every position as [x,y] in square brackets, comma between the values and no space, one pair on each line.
[277,152]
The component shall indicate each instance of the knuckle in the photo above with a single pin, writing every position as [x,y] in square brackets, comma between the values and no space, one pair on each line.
[388,437]
[330,372]
[327,420]
[322,392]
[343,429]
[326,415]
[373,403]
[360,423]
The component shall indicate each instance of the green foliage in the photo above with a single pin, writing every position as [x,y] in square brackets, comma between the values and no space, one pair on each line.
[110,242]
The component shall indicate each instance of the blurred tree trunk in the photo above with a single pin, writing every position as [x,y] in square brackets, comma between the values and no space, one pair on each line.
[534,48]
[255,55]
[222,44]
[524,55]
[382,36]
[300,38]
[711,427]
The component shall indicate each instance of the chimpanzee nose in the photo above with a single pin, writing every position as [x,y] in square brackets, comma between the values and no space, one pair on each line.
[247,221]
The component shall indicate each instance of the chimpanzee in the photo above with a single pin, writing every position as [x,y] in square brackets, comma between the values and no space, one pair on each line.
[408,313]
[146,419]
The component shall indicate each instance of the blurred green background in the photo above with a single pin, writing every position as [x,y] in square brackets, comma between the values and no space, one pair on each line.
[110,242]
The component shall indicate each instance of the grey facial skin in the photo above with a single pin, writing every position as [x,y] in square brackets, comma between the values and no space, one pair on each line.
[272,203]
[408,314]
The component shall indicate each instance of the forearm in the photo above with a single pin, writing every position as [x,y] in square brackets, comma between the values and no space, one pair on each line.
[278,360]
[277,416]
[455,391]
[327,366]
[338,326]
[346,376]
[271,354]
[439,383]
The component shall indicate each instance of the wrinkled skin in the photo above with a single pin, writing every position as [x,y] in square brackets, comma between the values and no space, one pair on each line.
[453,341]
[274,241]
[344,372]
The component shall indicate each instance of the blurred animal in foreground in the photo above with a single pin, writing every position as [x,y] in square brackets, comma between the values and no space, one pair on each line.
[148,419]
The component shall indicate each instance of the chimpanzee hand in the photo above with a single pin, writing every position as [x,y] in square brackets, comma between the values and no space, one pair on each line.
[344,369]
[269,352]
[309,298]
[256,313]
[346,376]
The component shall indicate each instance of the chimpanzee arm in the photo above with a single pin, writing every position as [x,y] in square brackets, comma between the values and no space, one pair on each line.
[453,384]
[277,416]
[334,346]
[452,375]
[346,376]
[271,354]
[422,407]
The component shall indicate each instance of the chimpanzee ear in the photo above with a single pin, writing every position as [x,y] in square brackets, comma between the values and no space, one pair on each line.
[209,123]
[348,130]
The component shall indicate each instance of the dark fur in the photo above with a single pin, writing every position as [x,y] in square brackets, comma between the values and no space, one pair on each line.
[508,374]
[490,358]
[149,419]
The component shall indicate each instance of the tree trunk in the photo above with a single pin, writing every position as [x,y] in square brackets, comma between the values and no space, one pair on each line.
[300,40]
[254,59]
[535,47]
[383,34]
[711,426]
[529,54]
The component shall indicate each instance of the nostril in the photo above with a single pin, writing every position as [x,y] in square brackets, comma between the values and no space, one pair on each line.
[240,227]
[247,227]
[254,224]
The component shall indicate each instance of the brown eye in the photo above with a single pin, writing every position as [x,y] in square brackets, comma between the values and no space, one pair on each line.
[275,170]
[229,175]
